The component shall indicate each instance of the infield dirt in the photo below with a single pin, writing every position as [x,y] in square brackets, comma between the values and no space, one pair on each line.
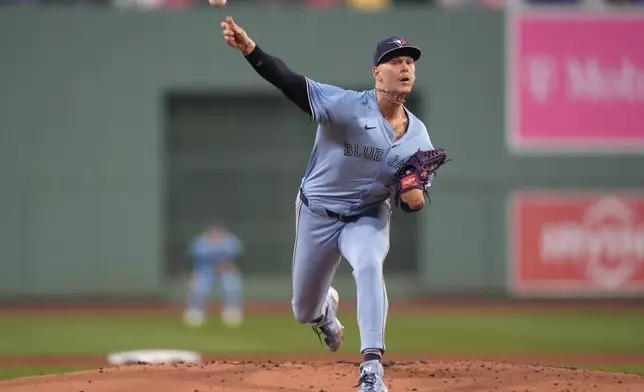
[339,376]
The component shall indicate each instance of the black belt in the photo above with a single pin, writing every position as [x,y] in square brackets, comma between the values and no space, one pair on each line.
[340,217]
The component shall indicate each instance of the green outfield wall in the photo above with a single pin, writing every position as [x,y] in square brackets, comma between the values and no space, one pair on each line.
[122,133]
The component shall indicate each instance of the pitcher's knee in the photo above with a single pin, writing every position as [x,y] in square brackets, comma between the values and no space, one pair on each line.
[369,270]
[304,314]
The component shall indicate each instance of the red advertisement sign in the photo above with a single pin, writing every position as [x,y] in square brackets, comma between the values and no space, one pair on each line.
[576,244]
[576,81]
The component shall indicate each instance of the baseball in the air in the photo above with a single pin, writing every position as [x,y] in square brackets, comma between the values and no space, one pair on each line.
[217,3]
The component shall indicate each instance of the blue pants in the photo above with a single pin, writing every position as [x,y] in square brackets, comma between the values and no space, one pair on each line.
[320,242]
[204,277]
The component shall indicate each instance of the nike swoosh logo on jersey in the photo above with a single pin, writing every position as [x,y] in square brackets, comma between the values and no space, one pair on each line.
[367,127]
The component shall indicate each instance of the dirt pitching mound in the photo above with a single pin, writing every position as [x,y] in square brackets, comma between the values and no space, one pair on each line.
[341,376]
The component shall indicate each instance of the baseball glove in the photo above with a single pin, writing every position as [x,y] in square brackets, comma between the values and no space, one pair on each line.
[417,171]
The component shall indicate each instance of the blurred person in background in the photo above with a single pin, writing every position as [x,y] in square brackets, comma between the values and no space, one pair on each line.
[555,2]
[214,254]
[154,5]
[626,2]
[482,4]
[368,5]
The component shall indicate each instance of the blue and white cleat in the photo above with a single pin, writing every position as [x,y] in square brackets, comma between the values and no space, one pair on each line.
[372,377]
[329,329]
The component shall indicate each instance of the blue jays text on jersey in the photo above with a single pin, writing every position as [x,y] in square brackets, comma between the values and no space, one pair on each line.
[355,157]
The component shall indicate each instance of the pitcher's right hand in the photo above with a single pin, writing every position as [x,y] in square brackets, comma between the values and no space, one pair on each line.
[236,37]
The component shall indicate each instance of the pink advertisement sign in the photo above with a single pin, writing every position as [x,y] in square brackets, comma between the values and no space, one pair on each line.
[576,82]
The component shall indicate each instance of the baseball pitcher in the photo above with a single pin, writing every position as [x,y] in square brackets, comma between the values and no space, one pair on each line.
[368,147]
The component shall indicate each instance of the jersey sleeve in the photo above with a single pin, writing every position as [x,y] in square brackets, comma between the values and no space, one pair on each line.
[199,249]
[234,246]
[328,103]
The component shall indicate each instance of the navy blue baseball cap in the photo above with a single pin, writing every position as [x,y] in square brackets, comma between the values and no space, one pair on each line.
[392,47]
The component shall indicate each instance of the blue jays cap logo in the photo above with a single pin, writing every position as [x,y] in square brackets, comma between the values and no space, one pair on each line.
[394,45]
[398,41]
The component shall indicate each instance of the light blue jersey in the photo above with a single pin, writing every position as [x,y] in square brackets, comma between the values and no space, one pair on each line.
[207,251]
[354,158]
[210,247]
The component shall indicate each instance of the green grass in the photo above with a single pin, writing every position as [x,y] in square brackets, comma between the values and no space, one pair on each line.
[440,333]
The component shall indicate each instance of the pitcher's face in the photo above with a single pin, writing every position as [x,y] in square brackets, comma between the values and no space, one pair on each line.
[396,75]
